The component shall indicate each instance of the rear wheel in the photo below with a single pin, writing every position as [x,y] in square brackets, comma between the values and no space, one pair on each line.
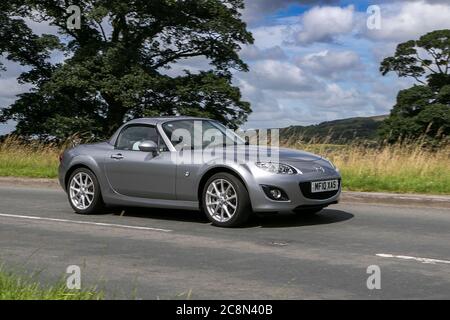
[84,192]
[225,200]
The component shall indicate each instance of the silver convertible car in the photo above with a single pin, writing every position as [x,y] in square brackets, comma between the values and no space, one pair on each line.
[195,163]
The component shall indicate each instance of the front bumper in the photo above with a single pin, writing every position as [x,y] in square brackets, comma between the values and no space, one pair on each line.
[297,189]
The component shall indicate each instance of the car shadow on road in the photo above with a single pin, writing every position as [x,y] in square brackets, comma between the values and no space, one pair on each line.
[278,220]
[162,214]
[286,220]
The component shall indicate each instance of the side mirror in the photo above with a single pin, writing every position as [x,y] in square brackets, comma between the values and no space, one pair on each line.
[148,146]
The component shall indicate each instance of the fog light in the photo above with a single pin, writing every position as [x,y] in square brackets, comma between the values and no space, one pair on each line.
[276,193]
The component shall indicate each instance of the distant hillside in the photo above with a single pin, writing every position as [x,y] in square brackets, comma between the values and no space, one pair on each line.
[336,131]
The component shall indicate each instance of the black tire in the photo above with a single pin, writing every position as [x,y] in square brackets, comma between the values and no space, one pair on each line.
[243,208]
[97,205]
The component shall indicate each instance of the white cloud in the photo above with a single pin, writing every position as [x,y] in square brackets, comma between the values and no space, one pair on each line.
[6,128]
[9,87]
[278,76]
[323,24]
[40,28]
[331,64]
[408,21]
[270,36]
[336,97]
[267,108]
[192,64]
[255,53]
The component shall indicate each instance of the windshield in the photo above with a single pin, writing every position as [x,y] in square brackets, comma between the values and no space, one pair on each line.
[199,134]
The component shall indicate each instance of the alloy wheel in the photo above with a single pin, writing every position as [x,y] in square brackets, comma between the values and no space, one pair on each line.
[82,191]
[221,200]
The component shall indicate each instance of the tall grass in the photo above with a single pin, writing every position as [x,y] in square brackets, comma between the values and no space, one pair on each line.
[28,158]
[13,287]
[402,167]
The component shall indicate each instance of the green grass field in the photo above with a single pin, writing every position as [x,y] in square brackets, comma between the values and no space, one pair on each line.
[34,160]
[13,287]
[397,168]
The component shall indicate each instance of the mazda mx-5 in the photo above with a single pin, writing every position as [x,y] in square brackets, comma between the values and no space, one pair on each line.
[195,163]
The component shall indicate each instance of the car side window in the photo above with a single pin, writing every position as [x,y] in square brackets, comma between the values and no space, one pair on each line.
[130,137]
[183,127]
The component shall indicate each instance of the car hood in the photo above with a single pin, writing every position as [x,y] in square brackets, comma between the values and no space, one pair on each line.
[284,154]
[306,162]
[297,155]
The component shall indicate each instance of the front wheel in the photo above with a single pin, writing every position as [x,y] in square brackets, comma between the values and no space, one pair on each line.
[84,192]
[225,201]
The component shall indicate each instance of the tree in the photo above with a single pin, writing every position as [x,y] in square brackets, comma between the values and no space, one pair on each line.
[117,65]
[423,109]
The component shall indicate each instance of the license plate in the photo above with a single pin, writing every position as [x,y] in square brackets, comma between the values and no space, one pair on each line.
[322,186]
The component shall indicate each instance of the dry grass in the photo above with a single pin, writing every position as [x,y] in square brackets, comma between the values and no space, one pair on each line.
[405,168]
[393,168]
[28,159]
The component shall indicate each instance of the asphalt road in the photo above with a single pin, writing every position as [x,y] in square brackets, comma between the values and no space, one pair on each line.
[167,254]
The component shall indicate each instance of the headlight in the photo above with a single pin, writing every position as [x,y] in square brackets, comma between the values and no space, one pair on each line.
[279,168]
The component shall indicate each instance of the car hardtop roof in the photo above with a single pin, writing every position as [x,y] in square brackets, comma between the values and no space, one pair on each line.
[151,121]
[156,120]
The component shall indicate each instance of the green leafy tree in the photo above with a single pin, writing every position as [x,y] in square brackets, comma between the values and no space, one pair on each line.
[424,109]
[118,65]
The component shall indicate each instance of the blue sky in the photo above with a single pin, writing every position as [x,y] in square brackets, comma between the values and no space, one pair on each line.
[312,61]
[316,61]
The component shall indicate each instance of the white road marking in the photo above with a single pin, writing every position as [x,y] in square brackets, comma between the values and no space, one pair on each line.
[101,224]
[423,260]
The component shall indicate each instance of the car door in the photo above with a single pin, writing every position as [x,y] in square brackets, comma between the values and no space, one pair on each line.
[184,135]
[135,173]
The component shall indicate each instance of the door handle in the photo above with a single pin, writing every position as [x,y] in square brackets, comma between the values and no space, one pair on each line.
[117,156]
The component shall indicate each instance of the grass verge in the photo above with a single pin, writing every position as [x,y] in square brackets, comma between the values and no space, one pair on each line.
[13,287]
[392,168]
[33,160]
[403,168]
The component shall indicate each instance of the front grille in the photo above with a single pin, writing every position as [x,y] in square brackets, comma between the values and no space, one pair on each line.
[305,187]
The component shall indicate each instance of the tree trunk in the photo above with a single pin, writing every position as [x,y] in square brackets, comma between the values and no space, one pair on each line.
[115,115]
